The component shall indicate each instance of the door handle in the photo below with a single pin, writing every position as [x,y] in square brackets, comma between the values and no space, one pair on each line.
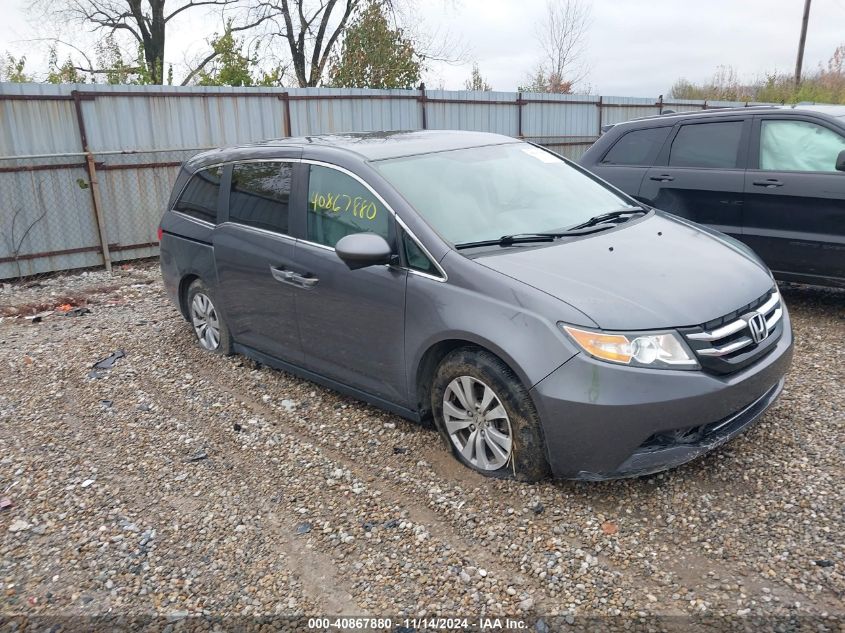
[663,178]
[769,182]
[305,282]
[292,278]
[280,274]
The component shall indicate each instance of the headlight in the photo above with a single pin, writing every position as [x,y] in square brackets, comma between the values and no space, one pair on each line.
[657,350]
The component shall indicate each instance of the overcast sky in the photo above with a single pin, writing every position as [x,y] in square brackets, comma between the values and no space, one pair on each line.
[634,48]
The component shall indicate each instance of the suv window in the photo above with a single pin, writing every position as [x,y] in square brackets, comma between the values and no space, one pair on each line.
[339,205]
[199,200]
[798,146]
[259,195]
[713,145]
[637,147]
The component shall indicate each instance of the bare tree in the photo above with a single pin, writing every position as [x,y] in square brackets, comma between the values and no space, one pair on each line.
[309,29]
[13,243]
[562,38]
[146,21]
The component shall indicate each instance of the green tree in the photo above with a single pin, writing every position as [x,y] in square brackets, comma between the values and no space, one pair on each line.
[272,77]
[66,73]
[230,67]
[374,55]
[476,81]
[13,69]
[115,70]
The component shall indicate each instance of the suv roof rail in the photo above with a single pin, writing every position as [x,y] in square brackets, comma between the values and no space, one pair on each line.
[709,110]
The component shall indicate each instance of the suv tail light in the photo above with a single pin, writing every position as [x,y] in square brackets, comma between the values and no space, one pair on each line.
[160,233]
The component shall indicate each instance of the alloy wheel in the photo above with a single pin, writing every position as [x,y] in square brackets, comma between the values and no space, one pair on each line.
[205,321]
[477,423]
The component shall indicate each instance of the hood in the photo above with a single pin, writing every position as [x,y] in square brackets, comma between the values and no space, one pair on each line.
[659,272]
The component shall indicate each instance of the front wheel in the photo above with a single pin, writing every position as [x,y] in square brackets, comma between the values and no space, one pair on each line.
[487,417]
[209,327]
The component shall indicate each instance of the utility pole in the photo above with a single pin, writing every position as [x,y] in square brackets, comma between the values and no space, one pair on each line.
[800,61]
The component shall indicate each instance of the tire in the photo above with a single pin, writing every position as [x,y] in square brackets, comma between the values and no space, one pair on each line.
[209,327]
[479,376]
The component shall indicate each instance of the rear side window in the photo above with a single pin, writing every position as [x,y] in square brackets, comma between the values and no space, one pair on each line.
[713,145]
[260,194]
[638,147]
[199,200]
[339,205]
[798,146]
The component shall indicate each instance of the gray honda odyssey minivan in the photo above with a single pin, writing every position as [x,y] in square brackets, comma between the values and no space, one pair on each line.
[546,321]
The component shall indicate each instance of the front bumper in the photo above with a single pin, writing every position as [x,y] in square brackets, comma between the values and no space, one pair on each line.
[605,421]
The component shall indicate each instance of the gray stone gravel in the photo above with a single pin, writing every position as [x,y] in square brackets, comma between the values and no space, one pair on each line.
[220,487]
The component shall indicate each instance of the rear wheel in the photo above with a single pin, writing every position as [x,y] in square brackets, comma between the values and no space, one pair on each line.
[487,417]
[210,328]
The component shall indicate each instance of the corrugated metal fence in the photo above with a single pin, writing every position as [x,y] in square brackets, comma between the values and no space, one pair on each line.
[86,170]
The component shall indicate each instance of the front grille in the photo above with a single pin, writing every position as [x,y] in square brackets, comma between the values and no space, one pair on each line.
[729,343]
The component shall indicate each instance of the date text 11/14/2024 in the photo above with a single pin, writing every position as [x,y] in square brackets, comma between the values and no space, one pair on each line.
[417,624]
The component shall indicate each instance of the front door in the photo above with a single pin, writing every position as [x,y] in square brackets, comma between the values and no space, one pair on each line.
[352,322]
[702,177]
[632,154]
[254,255]
[795,198]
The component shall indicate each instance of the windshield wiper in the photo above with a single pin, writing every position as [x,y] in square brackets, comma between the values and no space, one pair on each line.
[527,238]
[607,217]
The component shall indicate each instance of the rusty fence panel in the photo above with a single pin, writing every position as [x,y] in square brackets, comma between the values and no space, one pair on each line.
[86,170]
[47,217]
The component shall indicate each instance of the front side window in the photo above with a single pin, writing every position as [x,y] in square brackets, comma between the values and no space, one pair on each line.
[798,146]
[416,258]
[339,205]
[259,195]
[483,193]
[637,147]
[713,145]
[199,200]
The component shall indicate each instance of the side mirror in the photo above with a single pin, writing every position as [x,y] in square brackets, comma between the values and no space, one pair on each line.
[840,161]
[360,250]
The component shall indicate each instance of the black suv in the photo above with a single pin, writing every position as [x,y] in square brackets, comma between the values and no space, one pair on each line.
[771,177]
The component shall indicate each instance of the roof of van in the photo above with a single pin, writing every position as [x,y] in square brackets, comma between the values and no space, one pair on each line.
[366,145]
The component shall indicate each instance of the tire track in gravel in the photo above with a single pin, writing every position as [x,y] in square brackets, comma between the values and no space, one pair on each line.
[417,513]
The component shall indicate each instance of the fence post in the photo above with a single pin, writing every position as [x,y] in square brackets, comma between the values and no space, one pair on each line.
[422,99]
[600,104]
[519,104]
[94,183]
[98,209]
[285,97]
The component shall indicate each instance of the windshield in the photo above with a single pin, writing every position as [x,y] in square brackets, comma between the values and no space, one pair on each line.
[483,193]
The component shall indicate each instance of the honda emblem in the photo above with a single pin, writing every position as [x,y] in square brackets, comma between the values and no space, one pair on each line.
[758,327]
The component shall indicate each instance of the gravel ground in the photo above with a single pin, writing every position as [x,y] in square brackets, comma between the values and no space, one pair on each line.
[179,483]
